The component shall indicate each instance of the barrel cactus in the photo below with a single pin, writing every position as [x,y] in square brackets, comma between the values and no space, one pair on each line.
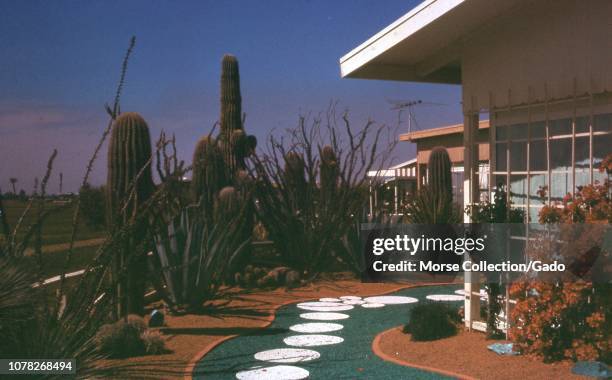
[129,185]
[439,176]
[295,180]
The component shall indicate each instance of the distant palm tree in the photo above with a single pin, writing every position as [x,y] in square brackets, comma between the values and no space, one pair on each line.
[13,181]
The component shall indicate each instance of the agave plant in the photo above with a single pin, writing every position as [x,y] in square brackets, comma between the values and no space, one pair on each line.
[193,255]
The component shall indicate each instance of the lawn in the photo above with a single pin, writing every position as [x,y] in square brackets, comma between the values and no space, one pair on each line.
[58,227]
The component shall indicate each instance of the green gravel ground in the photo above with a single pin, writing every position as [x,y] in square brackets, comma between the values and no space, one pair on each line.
[351,359]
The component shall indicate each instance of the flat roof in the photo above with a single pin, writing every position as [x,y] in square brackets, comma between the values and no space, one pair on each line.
[441,131]
[425,44]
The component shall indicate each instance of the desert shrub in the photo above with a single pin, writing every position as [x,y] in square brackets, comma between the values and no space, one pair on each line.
[93,208]
[124,339]
[154,344]
[566,318]
[431,321]
[120,340]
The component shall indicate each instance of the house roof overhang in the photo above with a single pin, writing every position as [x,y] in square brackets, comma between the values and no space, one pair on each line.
[425,44]
[435,132]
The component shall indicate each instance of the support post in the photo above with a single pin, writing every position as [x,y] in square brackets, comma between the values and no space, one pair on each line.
[470,197]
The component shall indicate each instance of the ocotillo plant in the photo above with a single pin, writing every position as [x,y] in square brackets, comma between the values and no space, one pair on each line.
[129,185]
[439,173]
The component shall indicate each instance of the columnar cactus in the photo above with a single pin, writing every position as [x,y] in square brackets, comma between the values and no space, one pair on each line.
[129,185]
[328,171]
[236,145]
[439,176]
[231,106]
[209,172]
[129,166]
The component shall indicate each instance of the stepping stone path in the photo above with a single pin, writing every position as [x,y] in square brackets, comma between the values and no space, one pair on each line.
[283,355]
[315,344]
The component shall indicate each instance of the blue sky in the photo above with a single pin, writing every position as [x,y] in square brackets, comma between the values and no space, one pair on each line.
[60,63]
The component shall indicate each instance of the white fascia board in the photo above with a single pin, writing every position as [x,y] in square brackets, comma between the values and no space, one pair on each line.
[415,20]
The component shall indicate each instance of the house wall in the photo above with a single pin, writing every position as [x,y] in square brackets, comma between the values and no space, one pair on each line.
[542,50]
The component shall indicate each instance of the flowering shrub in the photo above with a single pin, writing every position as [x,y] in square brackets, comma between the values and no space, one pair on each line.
[568,319]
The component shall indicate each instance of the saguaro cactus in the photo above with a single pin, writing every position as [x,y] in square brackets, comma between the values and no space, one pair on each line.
[231,106]
[439,174]
[129,184]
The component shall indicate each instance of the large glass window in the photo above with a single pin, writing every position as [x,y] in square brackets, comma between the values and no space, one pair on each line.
[559,155]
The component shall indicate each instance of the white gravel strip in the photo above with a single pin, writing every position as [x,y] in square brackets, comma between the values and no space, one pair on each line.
[287,355]
[285,372]
[312,340]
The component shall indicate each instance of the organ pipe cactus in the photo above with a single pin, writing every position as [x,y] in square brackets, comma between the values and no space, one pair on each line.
[129,185]
[439,174]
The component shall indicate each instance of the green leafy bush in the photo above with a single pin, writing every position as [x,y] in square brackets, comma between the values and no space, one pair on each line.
[431,321]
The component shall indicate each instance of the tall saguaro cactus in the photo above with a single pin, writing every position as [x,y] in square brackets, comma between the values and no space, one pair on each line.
[129,185]
[439,176]
[231,107]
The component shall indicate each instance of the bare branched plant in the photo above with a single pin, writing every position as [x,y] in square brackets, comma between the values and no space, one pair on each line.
[312,189]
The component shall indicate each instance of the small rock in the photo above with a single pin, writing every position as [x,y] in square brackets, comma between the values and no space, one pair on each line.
[157,319]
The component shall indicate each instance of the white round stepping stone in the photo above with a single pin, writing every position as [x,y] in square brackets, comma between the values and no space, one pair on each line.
[372,305]
[285,372]
[332,307]
[320,303]
[328,299]
[312,340]
[445,297]
[350,298]
[287,355]
[353,302]
[324,316]
[316,327]
[391,300]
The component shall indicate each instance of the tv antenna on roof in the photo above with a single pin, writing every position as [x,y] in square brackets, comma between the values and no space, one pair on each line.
[410,104]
